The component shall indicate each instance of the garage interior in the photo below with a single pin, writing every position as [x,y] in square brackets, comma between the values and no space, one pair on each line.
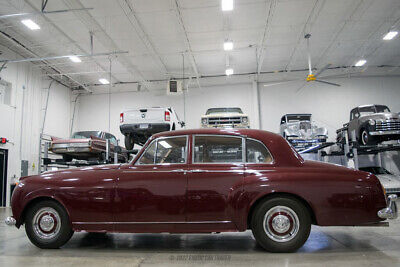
[68,66]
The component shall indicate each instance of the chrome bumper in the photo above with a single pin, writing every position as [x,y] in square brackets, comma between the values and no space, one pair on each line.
[10,221]
[390,212]
[384,132]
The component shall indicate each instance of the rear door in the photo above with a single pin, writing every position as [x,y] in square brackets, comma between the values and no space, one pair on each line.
[216,178]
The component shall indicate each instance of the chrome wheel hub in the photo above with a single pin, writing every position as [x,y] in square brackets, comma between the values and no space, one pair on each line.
[281,224]
[46,223]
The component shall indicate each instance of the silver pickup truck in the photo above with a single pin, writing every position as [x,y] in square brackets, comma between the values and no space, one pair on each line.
[372,124]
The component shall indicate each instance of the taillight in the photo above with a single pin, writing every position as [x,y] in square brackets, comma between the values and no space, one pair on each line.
[121,117]
[167,116]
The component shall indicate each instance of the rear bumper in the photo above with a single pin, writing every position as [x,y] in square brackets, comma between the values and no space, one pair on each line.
[393,132]
[144,128]
[390,212]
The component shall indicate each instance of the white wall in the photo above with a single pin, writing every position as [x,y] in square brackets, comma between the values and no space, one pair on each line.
[329,105]
[92,112]
[24,141]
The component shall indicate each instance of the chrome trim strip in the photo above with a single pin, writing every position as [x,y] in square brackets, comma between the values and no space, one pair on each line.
[200,222]
[385,132]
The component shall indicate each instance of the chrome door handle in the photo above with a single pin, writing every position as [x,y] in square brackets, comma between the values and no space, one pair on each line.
[198,171]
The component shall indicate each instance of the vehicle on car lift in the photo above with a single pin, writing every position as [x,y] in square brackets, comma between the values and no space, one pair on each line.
[137,125]
[202,181]
[372,124]
[225,118]
[390,181]
[87,145]
[301,131]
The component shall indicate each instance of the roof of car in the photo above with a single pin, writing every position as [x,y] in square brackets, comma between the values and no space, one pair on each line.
[220,131]
[298,114]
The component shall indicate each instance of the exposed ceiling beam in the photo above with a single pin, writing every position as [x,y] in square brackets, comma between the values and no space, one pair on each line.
[41,13]
[58,29]
[187,43]
[261,51]
[130,14]
[101,35]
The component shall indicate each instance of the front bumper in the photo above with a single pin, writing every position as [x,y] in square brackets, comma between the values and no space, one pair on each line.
[393,132]
[10,221]
[390,212]
[241,125]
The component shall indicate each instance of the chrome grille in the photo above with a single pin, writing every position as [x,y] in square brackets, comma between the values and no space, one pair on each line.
[224,120]
[388,126]
[305,125]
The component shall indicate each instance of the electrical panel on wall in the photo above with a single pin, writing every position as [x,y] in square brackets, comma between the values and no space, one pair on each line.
[174,87]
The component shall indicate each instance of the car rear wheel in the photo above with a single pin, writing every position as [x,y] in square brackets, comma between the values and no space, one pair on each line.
[129,142]
[47,225]
[281,224]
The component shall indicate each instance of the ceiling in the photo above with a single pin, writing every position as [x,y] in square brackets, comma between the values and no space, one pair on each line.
[173,38]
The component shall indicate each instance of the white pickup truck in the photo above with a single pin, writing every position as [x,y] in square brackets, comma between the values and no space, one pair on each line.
[137,125]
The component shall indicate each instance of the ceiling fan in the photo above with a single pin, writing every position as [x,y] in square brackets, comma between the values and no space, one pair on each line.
[311,77]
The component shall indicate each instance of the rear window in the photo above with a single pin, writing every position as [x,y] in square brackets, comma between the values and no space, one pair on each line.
[86,134]
[217,149]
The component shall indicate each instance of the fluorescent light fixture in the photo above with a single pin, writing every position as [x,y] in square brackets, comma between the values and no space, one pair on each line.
[75,59]
[228,45]
[165,144]
[360,63]
[227,5]
[30,24]
[104,81]
[390,35]
[229,71]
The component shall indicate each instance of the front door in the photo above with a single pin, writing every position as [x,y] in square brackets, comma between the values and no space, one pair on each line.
[215,180]
[151,195]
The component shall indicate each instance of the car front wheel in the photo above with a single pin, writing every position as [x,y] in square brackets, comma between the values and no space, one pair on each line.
[281,224]
[366,138]
[47,225]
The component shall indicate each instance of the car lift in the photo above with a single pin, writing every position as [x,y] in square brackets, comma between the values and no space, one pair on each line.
[351,149]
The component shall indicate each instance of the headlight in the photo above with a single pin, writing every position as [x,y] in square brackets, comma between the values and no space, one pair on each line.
[371,122]
[204,121]
[245,119]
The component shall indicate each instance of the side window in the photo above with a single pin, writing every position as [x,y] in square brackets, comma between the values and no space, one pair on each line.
[171,150]
[113,140]
[148,156]
[217,149]
[256,152]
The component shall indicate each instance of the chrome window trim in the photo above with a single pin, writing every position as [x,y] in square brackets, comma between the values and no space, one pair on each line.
[272,156]
[217,163]
[155,154]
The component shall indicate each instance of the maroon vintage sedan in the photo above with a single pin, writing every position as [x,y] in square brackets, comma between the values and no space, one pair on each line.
[202,181]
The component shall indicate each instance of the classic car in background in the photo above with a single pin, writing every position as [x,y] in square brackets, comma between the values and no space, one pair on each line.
[301,131]
[390,181]
[372,124]
[87,145]
[137,125]
[202,181]
[225,118]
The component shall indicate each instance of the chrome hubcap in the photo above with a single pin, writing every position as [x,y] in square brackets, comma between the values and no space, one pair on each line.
[46,223]
[281,224]
[364,138]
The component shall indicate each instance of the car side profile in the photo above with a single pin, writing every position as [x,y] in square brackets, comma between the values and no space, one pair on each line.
[202,181]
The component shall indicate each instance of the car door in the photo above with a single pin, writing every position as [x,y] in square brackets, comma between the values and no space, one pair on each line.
[216,178]
[151,194]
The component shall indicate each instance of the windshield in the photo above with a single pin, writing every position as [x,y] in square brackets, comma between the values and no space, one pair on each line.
[86,134]
[375,170]
[300,117]
[224,110]
[373,109]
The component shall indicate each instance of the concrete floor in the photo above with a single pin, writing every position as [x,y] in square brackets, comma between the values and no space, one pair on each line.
[329,246]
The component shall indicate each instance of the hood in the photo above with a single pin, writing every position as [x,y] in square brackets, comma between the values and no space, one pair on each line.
[381,116]
[76,170]
[224,114]
[305,129]
[389,180]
